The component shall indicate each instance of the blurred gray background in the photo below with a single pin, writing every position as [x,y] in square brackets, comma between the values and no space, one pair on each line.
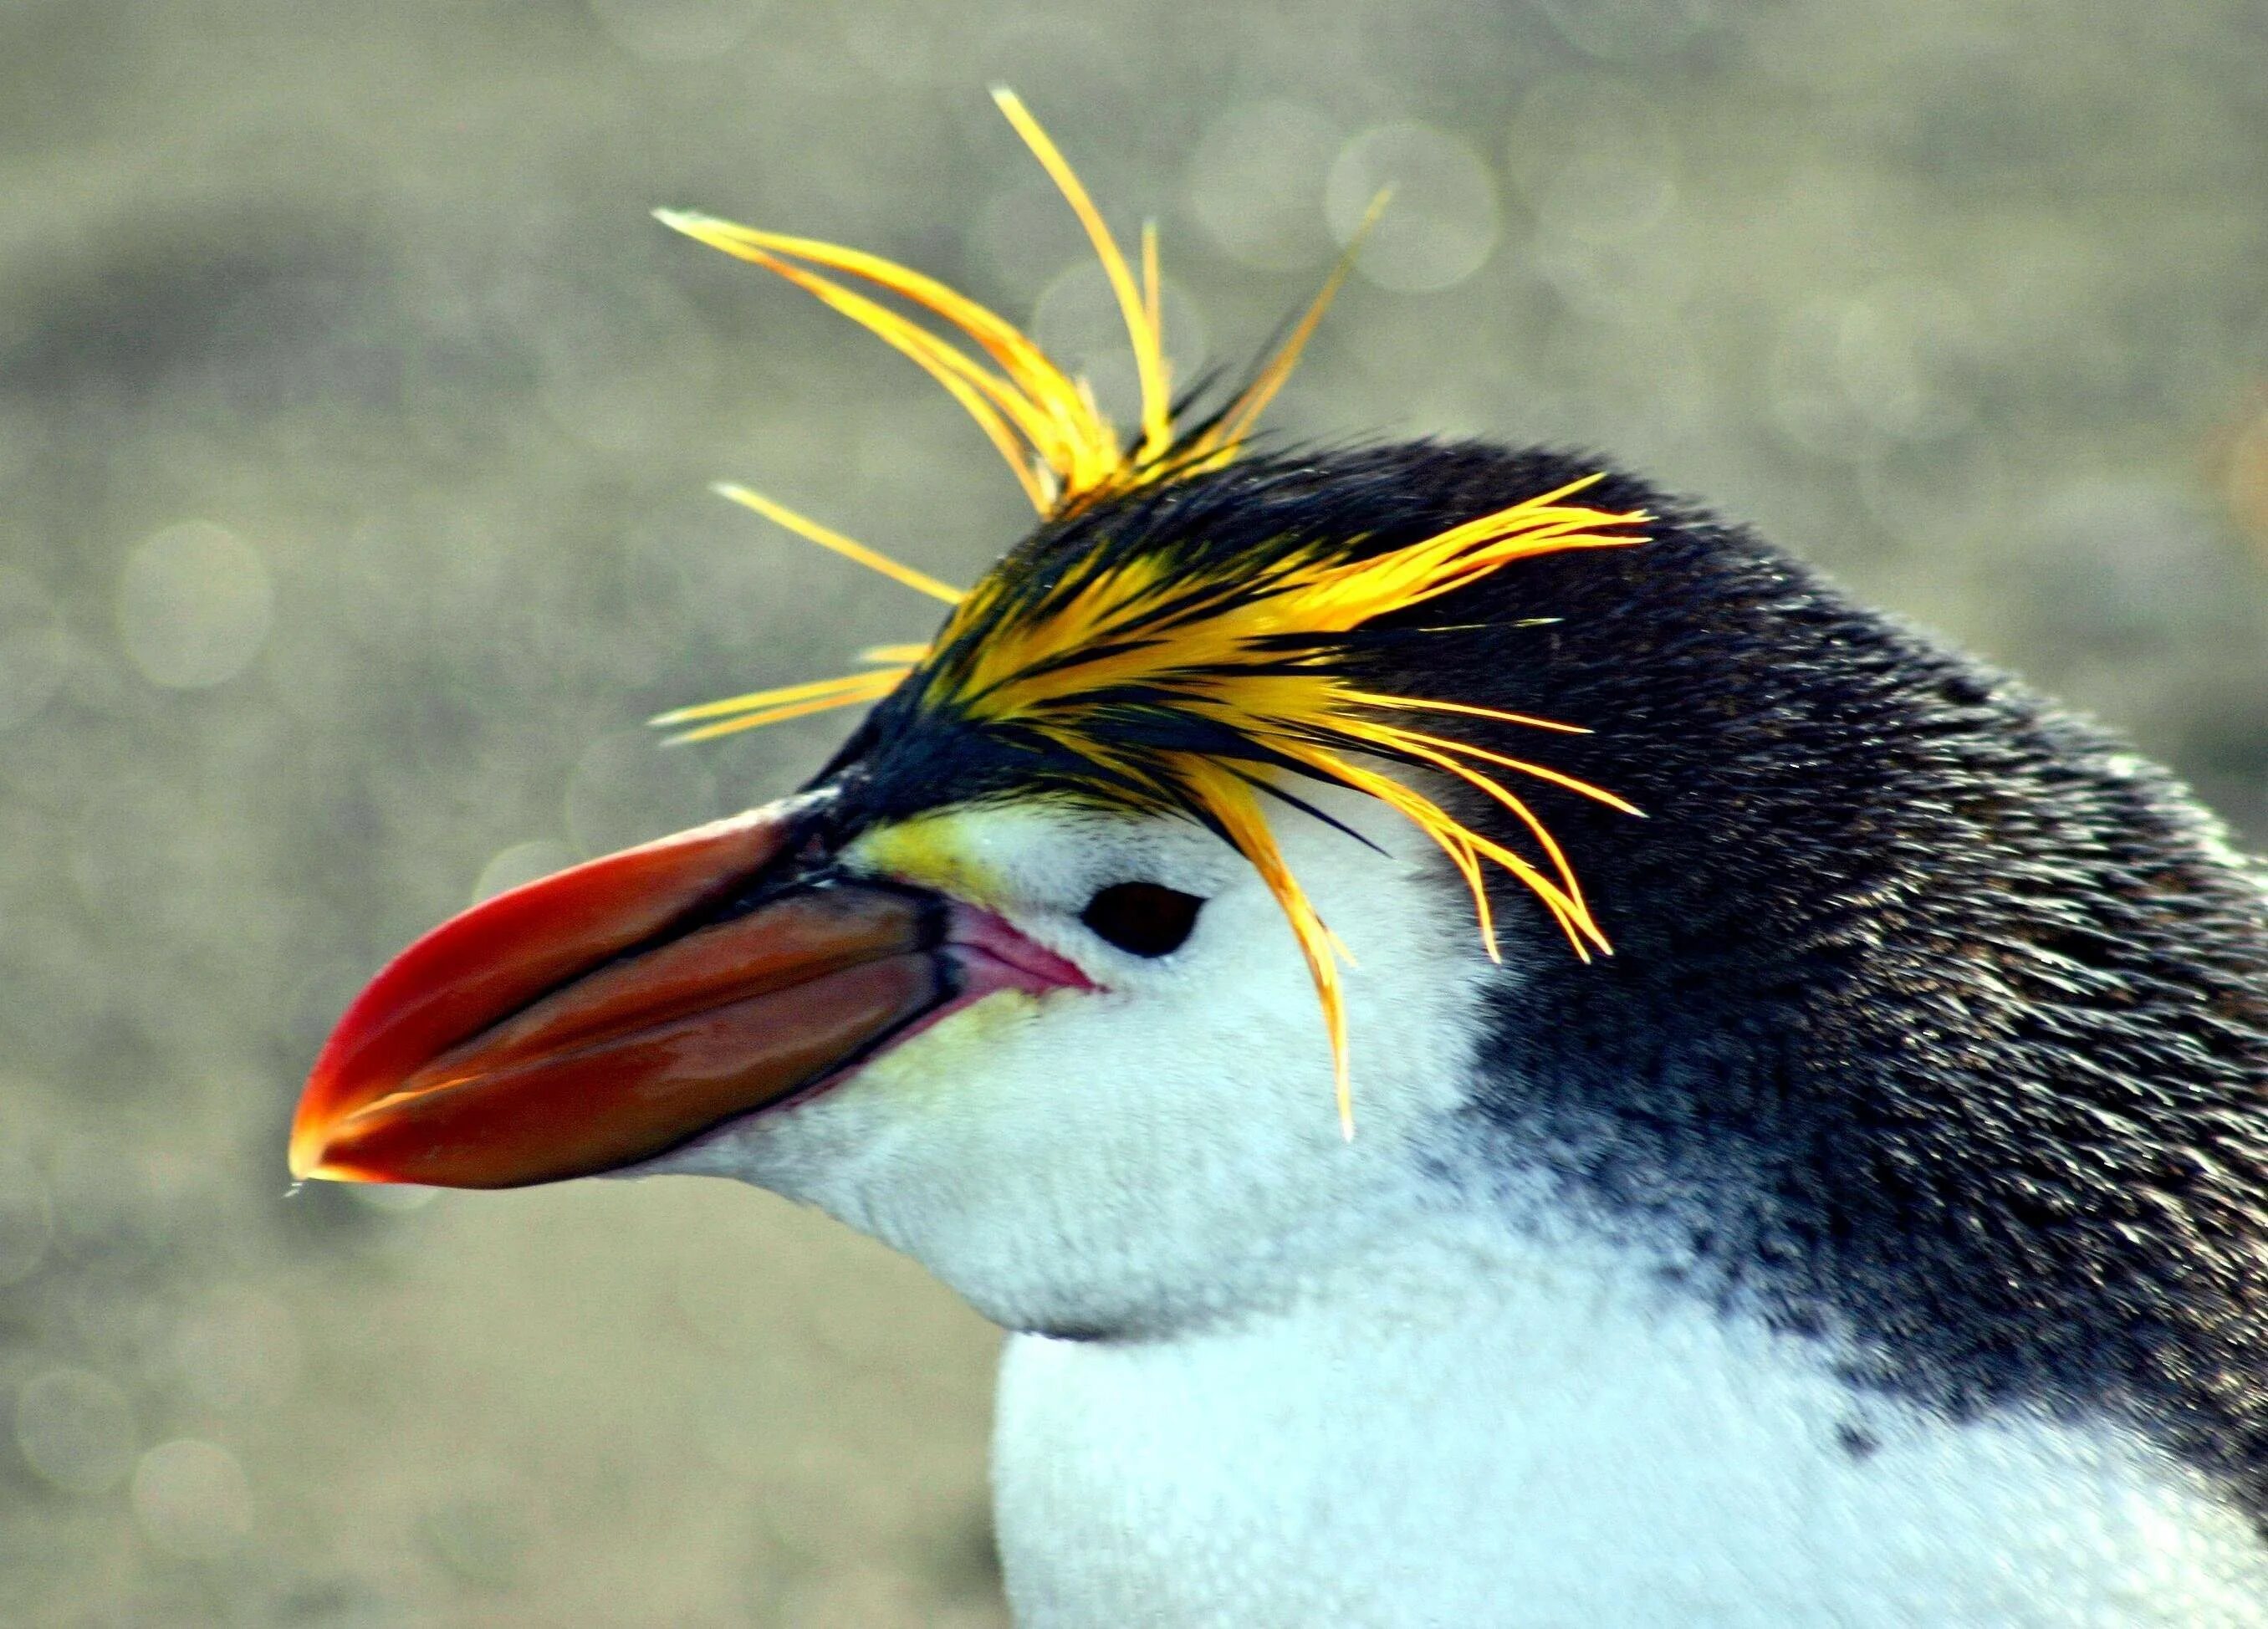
[354,424]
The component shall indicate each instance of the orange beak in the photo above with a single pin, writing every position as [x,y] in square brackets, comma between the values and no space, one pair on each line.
[605,1015]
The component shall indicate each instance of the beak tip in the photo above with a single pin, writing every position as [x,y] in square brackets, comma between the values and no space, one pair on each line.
[305,1154]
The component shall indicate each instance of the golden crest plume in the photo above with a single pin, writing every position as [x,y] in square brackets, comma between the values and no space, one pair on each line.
[1254,652]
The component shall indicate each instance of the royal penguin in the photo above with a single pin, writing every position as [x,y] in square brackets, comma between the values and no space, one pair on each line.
[1504,1052]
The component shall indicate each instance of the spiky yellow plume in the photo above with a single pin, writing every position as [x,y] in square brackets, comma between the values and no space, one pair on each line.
[1254,655]
[1261,655]
[1062,449]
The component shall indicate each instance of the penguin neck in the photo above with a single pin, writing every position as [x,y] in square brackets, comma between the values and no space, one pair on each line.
[1468,1412]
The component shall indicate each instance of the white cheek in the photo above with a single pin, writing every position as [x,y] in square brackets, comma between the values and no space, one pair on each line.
[1168,1144]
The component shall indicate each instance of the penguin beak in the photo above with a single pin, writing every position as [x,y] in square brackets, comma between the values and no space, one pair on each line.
[601,1016]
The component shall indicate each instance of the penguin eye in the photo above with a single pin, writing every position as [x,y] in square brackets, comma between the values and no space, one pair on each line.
[1142,917]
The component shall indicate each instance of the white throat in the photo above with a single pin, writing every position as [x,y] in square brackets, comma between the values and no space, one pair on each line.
[1473,1429]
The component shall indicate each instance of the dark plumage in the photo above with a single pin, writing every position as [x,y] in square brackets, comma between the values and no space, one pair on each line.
[1938,1020]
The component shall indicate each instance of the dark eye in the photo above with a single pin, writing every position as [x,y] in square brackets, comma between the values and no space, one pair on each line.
[1142,917]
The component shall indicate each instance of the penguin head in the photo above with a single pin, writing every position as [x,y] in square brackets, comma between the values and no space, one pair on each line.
[1190,845]
[1141,936]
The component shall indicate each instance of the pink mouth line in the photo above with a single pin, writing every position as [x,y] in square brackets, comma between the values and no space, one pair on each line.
[990,955]
[989,942]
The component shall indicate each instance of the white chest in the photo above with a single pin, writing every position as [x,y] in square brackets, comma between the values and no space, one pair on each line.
[1521,1441]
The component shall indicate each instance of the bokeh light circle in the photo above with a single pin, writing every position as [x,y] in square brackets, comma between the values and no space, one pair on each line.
[523,862]
[195,603]
[1592,158]
[1442,219]
[75,1429]
[1254,182]
[191,1500]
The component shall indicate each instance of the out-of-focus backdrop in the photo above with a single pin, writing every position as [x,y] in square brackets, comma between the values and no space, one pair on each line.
[355,428]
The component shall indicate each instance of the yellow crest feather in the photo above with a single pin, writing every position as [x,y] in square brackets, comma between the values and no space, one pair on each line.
[1252,653]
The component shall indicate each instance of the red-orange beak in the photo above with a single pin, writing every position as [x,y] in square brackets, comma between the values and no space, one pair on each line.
[605,1015]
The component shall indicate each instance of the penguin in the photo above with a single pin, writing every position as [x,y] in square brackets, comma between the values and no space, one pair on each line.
[1504,1053]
